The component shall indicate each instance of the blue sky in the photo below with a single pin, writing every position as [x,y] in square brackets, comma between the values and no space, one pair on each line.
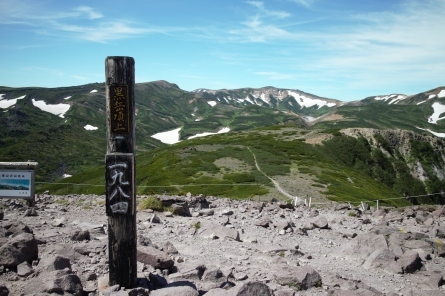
[342,49]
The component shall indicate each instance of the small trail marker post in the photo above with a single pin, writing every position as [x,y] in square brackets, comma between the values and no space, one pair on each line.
[120,174]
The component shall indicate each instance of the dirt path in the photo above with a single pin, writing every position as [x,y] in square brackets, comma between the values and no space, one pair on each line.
[275,183]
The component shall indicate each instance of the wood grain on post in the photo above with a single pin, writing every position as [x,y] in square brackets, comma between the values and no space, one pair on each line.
[120,172]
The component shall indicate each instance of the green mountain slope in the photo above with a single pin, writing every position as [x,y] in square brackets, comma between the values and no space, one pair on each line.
[275,126]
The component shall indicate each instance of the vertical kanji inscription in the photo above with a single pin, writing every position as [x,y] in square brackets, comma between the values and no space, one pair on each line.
[119,107]
[119,182]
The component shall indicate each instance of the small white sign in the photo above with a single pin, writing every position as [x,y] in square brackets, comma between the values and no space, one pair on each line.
[17,184]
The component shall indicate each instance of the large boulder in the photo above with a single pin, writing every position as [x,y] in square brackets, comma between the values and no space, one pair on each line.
[252,288]
[410,261]
[58,282]
[361,246]
[179,290]
[18,249]
[154,257]
[299,277]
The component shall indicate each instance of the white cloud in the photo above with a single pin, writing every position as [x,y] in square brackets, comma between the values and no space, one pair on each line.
[272,13]
[305,3]
[66,24]
[89,11]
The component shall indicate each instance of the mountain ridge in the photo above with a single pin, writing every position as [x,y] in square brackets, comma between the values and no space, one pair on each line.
[72,141]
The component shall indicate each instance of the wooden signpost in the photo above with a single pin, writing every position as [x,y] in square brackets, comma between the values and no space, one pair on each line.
[120,171]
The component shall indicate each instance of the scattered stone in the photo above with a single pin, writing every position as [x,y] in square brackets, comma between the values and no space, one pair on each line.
[155,218]
[179,290]
[181,209]
[24,269]
[298,277]
[410,261]
[30,213]
[320,222]
[154,257]
[206,212]
[80,235]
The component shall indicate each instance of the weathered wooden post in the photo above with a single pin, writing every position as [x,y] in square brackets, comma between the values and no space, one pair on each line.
[120,171]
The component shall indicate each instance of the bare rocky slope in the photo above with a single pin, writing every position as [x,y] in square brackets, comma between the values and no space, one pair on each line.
[211,246]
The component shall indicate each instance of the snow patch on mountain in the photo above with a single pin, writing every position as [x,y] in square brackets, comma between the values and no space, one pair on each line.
[172,136]
[305,101]
[168,137]
[441,94]
[394,98]
[440,135]
[8,103]
[56,109]
[211,103]
[438,110]
[67,98]
[93,91]
[90,127]
[221,131]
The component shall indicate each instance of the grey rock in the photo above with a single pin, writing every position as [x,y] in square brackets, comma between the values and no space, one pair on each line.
[320,222]
[14,228]
[361,246]
[217,292]
[302,277]
[393,216]
[410,261]
[284,292]
[4,291]
[59,282]
[59,222]
[154,257]
[263,222]
[181,209]
[31,212]
[206,212]
[167,247]
[342,207]
[139,292]
[155,218]
[380,258]
[87,248]
[180,290]
[214,274]
[429,280]
[253,288]
[24,269]
[18,249]
[227,212]
[2,215]
[80,235]
[53,262]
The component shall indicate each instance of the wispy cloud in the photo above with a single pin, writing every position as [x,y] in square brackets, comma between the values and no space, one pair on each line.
[261,27]
[89,12]
[274,13]
[305,3]
[82,22]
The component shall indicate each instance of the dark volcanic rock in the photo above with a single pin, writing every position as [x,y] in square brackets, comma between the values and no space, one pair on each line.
[18,249]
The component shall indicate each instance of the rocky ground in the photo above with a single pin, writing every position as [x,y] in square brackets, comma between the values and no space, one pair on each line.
[211,246]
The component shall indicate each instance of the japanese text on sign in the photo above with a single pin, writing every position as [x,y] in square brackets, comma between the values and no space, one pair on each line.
[119,107]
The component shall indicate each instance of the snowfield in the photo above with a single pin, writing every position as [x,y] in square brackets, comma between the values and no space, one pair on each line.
[172,137]
[8,103]
[438,109]
[57,109]
[90,127]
